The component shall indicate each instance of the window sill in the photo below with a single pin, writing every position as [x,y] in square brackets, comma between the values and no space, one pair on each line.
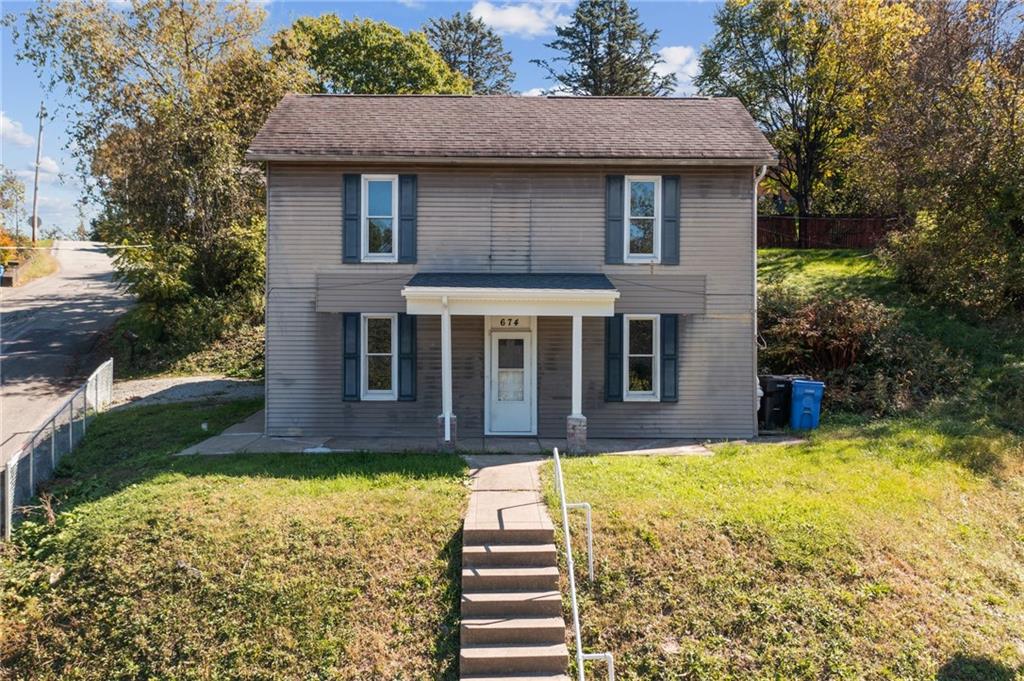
[379,397]
[641,398]
[637,260]
[375,260]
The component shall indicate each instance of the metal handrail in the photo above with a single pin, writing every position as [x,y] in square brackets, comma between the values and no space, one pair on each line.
[580,655]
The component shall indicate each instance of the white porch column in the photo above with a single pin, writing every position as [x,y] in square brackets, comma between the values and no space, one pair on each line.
[576,422]
[577,365]
[446,369]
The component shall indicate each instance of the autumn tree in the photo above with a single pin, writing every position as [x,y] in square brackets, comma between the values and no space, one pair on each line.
[472,48]
[606,51]
[12,198]
[946,153]
[803,69]
[163,98]
[362,56]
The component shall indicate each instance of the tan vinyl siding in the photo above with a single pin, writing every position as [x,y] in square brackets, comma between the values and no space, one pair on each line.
[502,219]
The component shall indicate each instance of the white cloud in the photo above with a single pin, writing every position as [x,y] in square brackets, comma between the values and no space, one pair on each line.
[13,132]
[526,19]
[542,91]
[46,165]
[682,61]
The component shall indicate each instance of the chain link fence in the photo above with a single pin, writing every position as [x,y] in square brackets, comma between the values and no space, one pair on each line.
[43,450]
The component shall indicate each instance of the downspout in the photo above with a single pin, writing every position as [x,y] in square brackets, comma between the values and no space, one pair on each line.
[757,384]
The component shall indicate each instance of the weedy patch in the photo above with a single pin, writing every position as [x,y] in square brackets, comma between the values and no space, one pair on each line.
[250,566]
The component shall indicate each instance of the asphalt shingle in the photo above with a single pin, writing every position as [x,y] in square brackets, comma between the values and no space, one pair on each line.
[509,127]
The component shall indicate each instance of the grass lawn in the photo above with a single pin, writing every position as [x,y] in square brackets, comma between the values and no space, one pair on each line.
[246,567]
[882,551]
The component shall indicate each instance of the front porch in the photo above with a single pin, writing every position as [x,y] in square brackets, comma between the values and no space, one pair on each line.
[511,306]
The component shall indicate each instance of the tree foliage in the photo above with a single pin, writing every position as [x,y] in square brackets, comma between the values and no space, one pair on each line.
[606,51]
[12,197]
[362,56]
[164,97]
[802,68]
[472,48]
[946,151]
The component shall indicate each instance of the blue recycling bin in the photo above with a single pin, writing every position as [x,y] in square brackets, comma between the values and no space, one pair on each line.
[805,407]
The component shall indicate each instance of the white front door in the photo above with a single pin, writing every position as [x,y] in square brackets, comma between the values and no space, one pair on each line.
[511,399]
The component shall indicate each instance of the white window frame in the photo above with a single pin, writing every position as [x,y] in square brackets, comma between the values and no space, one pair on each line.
[642,257]
[646,396]
[364,355]
[364,218]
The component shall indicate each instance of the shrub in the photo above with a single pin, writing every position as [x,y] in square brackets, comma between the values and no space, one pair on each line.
[858,347]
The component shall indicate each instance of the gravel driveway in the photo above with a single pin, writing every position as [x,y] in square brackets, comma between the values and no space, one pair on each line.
[184,389]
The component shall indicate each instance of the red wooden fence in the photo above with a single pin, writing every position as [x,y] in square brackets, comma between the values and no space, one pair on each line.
[782,231]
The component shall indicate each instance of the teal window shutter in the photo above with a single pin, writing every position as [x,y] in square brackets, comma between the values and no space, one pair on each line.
[350,334]
[613,358]
[614,212]
[670,220]
[669,357]
[406,218]
[351,231]
[406,357]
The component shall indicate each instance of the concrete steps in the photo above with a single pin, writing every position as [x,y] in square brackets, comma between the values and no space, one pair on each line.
[517,630]
[512,624]
[552,658]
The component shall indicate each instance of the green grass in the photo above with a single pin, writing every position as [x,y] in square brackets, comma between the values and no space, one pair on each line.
[246,567]
[884,551]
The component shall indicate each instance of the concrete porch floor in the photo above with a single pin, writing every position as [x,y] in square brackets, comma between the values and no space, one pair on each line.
[248,437]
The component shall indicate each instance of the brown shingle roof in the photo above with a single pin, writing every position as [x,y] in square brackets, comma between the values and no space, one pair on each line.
[509,127]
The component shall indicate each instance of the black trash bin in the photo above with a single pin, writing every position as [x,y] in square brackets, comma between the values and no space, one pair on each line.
[773,412]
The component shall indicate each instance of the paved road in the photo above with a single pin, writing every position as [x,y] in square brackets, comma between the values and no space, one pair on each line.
[45,328]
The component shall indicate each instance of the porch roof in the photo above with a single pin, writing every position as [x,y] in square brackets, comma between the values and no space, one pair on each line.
[510,293]
[514,280]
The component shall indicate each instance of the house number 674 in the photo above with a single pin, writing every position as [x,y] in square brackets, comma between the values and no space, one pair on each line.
[509,321]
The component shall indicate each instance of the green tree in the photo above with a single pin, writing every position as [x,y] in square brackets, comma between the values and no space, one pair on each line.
[163,98]
[362,56]
[804,69]
[606,51]
[473,49]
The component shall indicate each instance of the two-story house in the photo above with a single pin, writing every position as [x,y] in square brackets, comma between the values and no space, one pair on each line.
[469,266]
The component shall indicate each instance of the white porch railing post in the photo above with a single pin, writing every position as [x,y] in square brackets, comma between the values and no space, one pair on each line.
[446,368]
[577,365]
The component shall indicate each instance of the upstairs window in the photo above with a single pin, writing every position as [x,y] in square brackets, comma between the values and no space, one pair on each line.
[642,357]
[379,218]
[380,371]
[643,219]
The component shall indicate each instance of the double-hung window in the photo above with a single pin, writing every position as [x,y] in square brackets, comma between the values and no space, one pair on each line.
[642,219]
[642,363]
[379,343]
[380,218]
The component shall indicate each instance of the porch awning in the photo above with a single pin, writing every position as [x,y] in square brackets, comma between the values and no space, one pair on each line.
[498,293]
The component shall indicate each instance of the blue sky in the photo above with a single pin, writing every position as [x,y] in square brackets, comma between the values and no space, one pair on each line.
[525,26]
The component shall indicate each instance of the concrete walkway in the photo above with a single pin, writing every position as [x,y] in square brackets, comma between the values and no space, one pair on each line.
[248,437]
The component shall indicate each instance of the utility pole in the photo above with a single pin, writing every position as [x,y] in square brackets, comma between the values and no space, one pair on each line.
[35,183]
